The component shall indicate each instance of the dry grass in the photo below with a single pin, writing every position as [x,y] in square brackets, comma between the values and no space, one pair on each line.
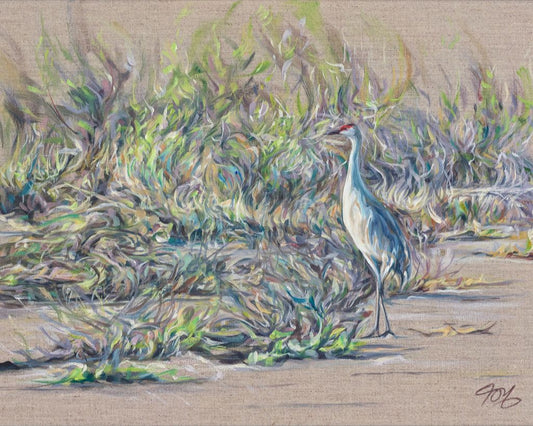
[203,199]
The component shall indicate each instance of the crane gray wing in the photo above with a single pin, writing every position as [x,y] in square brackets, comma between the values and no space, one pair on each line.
[389,240]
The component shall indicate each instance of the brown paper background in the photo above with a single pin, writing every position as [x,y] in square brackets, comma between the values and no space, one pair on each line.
[434,382]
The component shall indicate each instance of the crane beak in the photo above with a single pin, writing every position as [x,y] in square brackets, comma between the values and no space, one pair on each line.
[333,132]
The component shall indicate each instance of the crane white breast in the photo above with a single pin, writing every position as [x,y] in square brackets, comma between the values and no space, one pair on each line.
[357,214]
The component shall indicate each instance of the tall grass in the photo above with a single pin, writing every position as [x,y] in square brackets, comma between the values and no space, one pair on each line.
[206,202]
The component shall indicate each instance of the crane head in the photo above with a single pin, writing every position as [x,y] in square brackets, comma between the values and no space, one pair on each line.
[346,130]
[351,133]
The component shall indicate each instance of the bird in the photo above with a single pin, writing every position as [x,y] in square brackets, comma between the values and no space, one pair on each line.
[373,229]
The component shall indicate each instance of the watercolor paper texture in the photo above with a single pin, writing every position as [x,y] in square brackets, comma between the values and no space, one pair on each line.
[266,212]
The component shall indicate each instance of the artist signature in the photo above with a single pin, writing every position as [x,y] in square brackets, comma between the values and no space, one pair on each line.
[498,396]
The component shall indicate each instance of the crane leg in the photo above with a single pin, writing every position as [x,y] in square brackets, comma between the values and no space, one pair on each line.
[375,331]
[380,303]
[387,331]
[384,274]
[377,312]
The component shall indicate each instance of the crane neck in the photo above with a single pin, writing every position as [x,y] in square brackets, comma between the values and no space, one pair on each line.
[354,178]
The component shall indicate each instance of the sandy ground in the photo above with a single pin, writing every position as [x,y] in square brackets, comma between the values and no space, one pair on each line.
[411,379]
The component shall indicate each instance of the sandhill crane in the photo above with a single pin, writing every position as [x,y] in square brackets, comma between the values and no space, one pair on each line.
[373,229]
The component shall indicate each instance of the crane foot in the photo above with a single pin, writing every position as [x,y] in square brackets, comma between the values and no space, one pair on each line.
[387,334]
[375,333]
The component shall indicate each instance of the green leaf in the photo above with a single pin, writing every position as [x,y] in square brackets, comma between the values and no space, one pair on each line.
[85,125]
[35,90]
[261,67]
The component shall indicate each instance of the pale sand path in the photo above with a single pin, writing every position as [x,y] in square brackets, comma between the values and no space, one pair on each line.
[408,380]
